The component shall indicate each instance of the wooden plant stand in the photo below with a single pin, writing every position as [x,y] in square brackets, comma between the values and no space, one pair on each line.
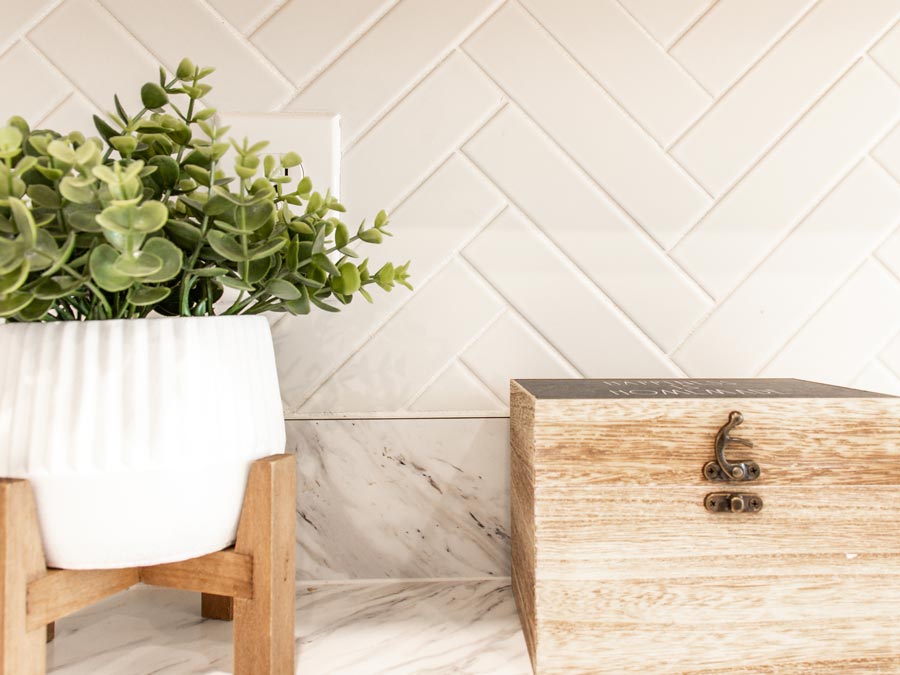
[251,583]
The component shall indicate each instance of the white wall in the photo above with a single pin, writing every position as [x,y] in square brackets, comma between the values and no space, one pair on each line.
[639,188]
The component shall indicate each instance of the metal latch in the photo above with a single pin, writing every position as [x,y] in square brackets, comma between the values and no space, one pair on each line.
[723,470]
[721,502]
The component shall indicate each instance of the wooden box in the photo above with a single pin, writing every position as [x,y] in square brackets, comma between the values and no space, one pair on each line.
[623,562]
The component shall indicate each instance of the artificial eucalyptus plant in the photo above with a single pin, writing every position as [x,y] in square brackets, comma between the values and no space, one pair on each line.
[146,219]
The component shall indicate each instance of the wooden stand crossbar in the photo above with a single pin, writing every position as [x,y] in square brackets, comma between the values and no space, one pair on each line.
[251,582]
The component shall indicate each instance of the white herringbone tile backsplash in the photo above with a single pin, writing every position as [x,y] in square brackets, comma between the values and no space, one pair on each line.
[631,188]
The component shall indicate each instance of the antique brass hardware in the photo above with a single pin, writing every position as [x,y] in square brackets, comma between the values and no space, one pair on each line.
[725,502]
[724,470]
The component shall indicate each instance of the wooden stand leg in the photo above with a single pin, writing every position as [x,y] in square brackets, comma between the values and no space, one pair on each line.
[51,631]
[220,607]
[264,624]
[22,651]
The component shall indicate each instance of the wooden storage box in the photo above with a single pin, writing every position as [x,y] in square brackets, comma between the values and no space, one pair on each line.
[623,563]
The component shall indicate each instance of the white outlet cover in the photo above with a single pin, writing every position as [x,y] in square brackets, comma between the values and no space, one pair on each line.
[315,136]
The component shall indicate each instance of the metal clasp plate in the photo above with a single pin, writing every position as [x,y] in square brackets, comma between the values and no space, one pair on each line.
[724,502]
[724,470]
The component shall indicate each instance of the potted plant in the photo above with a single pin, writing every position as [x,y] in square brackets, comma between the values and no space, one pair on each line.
[137,379]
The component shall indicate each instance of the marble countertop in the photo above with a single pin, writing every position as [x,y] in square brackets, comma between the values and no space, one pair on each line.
[343,628]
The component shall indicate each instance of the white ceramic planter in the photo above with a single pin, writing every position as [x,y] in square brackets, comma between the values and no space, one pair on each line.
[137,435]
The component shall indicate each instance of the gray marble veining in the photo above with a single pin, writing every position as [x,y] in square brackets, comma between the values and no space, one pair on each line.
[465,627]
[408,498]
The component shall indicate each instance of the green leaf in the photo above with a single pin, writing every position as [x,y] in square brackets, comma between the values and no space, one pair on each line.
[171,257]
[44,196]
[83,219]
[372,236]
[127,218]
[139,265]
[105,130]
[283,290]
[24,221]
[34,310]
[167,171]
[185,70]
[76,190]
[290,160]
[256,215]
[14,279]
[381,219]
[153,96]
[322,305]
[143,296]
[323,262]
[126,145]
[11,253]
[300,306]
[10,142]
[44,251]
[268,248]
[208,271]
[237,284]
[13,303]
[348,282]
[61,151]
[226,246]
[56,287]
[101,267]
[341,236]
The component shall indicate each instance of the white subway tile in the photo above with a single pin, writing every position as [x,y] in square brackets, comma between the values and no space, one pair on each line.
[417,136]
[74,114]
[430,226]
[837,343]
[887,52]
[337,24]
[605,243]
[877,377]
[31,87]
[245,16]
[745,224]
[430,330]
[666,19]
[587,123]
[788,287]
[629,64]
[17,16]
[540,283]
[401,49]
[109,62]
[456,389]
[174,29]
[889,253]
[747,120]
[732,36]
[888,153]
[510,348]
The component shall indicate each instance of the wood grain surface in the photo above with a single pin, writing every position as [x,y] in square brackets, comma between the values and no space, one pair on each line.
[621,569]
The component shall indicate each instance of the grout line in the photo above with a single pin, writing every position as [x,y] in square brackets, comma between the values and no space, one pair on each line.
[41,120]
[752,66]
[265,16]
[697,19]
[455,358]
[580,268]
[553,249]
[407,195]
[664,49]
[625,112]
[379,581]
[818,310]
[767,151]
[403,94]
[887,366]
[399,417]
[880,67]
[521,108]
[312,79]
[243,39]
[31,24]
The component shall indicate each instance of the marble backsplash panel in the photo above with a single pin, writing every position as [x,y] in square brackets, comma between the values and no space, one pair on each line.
[402,498]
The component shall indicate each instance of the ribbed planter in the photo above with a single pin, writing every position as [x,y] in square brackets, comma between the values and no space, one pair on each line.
[137,435]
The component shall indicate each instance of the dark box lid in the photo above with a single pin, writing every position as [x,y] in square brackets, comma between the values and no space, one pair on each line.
[674,388]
